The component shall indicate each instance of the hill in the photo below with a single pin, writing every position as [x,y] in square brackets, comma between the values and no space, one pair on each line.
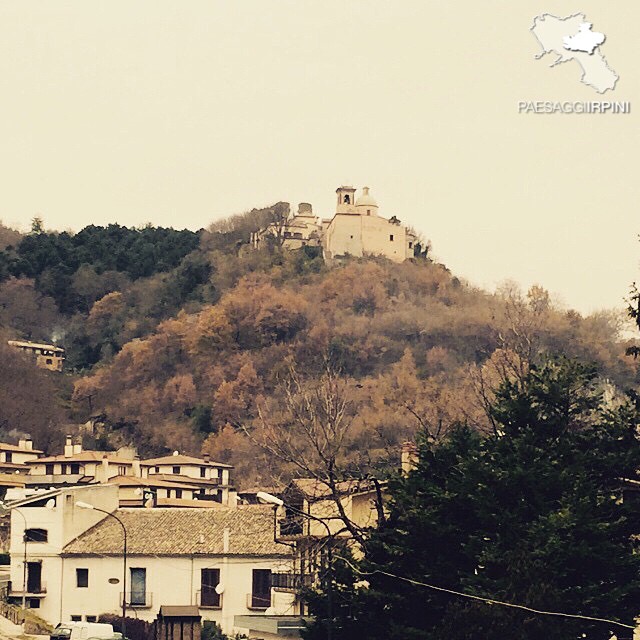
[211,349]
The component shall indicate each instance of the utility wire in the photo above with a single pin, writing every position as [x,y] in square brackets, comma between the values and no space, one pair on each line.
[484,599]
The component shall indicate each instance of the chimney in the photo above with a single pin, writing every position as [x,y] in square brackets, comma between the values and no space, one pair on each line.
[105,468]
[136,468]
[77,448]
[409,458]
[207,458]
[68,447]
[225,540]
[22,444]
[28,443]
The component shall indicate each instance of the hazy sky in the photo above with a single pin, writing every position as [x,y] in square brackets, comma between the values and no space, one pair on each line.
[178,113]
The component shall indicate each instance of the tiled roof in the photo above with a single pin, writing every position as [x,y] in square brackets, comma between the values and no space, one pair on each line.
[175,478]
[176,531]
[84,456]
[132,481]
[316,490]
[182,459]
[14,447]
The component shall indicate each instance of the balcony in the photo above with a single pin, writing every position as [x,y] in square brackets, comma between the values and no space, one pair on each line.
[258,601]
[291,582]
[33,590]
[209,599]
[138,599]
[291,526]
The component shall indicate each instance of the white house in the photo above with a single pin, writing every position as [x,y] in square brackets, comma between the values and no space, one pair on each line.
[223,560]
[211,478]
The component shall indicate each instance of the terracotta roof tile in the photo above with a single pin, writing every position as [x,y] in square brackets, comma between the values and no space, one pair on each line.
[182,459]
[177,531]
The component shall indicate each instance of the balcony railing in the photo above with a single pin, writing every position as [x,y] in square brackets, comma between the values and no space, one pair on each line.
[291,582]
[259,601]
[32,589]
[138,599]
[209,599]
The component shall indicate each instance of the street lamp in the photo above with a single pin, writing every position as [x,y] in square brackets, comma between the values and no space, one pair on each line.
[277,502]
[86,505]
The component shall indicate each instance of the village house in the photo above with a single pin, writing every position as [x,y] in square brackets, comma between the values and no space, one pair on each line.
[212,479]
[76,466]
[14,458]
[220,560]
[46,356]
[355,229]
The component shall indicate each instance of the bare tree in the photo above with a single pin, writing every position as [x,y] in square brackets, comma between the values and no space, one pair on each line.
[311,431]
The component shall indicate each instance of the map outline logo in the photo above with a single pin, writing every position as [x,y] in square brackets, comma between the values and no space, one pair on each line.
[572,38]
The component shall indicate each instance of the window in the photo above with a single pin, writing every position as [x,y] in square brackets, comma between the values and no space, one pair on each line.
[76,618]
[391,237]
[138,587]
[8,456]
[347,200]
[82,578]
[157,469]
[75,468]
[122,470]
[261,589]
[48,469]
[176,470]
[63,469]
[209,579]
[35,535]
[34,603]
[203,472]
[411,245]
[178,493]
[91,618]
[368,212]
[49,361]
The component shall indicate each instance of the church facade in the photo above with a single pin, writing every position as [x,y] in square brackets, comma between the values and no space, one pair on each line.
[355,229]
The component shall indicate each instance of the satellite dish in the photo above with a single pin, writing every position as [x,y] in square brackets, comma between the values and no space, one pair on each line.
[50,504]
[219,588]
[176,453]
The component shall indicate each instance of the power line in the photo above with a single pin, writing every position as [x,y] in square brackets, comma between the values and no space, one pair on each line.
[485,599]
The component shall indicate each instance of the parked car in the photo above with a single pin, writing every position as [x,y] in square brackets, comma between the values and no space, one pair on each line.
[82,631]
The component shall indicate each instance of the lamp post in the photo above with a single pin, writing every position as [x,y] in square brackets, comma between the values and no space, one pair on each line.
[274,500]
[85,505]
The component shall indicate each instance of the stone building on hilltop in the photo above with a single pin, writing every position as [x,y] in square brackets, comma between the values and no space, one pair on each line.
[355,229]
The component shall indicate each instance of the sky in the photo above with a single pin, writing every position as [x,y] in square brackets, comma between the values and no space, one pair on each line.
[181,113]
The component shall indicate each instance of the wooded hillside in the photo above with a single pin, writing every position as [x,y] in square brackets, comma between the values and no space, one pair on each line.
[199,343]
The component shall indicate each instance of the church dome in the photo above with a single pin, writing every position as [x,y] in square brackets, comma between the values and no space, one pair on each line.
[366,199]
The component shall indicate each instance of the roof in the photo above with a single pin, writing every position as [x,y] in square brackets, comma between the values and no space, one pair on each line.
[316,490]
[11,480]
[84,456]
[13,447]
[132,481]
[180,611]
[182,459]
[175,478]
[34,345]
[192,531]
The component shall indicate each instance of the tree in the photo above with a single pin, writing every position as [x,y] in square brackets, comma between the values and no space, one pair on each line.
[531,515]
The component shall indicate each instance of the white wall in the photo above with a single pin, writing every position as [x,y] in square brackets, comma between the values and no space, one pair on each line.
[173,580]
[63,523]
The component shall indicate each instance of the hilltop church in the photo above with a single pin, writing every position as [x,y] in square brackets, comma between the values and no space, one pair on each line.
[356,229]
